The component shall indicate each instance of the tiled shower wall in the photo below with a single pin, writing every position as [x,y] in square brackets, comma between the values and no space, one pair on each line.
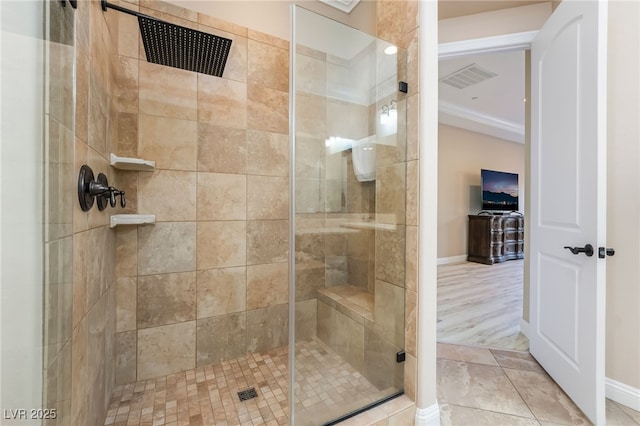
[94,297]
[397,22]
[208,281]
[327,193]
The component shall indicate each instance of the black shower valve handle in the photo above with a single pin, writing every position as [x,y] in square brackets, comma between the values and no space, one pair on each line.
[114,194]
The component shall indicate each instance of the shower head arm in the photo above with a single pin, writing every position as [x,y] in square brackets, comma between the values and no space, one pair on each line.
[104,4]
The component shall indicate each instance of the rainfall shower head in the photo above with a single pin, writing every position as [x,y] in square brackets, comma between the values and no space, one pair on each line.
[179,47]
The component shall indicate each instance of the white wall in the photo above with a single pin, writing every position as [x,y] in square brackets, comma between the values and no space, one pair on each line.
[623,187]
[461,155]
[21,207]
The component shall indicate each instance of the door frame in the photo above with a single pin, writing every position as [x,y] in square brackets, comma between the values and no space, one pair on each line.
[512,42]
[429,190]
[427,411]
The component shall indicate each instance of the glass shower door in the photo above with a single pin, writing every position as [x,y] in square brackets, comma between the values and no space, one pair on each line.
[36,166]
[349,212]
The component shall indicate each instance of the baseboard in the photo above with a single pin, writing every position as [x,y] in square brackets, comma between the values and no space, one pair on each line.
[622,394]
[452,259]
[429,416]
[524,327]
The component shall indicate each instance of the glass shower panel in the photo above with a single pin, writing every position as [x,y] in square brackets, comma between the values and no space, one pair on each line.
[59,179]
[350,187]
[38,57]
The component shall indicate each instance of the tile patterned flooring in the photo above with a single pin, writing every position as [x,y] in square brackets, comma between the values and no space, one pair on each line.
[207,396]
[326,387]
[481,305]
[476,386]
[481,386]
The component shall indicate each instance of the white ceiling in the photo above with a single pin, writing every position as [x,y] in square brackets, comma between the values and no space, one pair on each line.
[454,8]
[494,106]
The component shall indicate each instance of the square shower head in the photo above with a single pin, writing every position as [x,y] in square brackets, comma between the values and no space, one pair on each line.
[179,47]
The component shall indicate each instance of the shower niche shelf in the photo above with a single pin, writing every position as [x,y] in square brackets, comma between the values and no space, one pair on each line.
[130,163]
[131,219]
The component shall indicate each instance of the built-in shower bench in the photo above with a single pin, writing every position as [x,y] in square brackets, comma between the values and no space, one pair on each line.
[355,302]
[367,340]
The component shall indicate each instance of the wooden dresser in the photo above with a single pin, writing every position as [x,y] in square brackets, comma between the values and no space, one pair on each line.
[495,238]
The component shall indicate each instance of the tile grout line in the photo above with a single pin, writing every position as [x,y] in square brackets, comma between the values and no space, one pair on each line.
[518,391]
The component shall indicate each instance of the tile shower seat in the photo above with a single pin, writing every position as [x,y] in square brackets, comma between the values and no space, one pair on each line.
[355,302]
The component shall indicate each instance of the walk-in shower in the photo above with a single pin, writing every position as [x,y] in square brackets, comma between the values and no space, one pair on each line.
[270,286]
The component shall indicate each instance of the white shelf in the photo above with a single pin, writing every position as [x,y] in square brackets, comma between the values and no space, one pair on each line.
[129,163]
[132,219]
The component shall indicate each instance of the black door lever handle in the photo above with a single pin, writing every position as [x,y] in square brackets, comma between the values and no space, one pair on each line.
[588,250]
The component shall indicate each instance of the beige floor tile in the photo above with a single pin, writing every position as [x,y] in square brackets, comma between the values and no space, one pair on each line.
[619,415]
[478,386]
[466,353]
[545,398]
[519,360]
[327,387]
[455,415]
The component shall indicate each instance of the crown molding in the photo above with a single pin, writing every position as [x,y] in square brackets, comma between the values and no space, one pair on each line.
[457,116]
[494,44]
[344,5]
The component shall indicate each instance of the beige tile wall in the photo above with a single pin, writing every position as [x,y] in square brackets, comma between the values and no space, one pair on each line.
[93,343]
[208,281]
[397,22]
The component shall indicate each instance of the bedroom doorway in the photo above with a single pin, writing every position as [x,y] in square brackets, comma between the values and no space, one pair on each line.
[481,126]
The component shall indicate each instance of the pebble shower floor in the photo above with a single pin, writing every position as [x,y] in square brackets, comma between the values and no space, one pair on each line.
[207,396]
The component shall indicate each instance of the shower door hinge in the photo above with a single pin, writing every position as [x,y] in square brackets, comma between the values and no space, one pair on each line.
[403,86]
[73,3]
[400,356]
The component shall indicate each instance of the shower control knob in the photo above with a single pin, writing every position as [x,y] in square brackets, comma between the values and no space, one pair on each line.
[98,190]
[113,193]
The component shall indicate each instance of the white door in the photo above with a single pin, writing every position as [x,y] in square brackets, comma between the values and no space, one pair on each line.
[568,181]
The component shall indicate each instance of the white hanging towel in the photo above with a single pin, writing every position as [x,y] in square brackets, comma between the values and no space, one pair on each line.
[364,159]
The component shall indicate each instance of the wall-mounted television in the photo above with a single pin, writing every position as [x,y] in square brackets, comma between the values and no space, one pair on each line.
[499,190]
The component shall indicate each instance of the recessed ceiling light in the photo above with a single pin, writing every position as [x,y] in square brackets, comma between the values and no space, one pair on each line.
[391,50]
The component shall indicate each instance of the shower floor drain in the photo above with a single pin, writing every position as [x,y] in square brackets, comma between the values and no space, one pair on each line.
[247,394]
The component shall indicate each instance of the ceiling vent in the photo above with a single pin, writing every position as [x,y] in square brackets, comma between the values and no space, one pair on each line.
[467,76]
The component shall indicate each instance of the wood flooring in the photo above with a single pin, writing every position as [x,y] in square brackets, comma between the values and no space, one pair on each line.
[481,305]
